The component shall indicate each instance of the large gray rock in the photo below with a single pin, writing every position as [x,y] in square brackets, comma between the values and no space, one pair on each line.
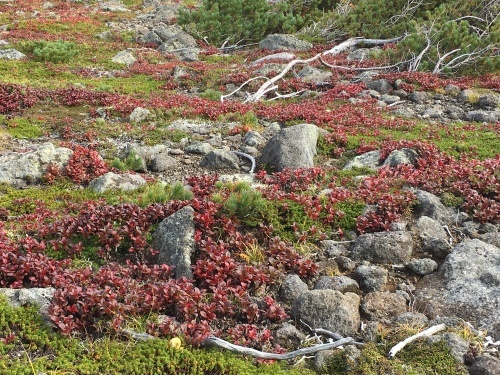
[174,240]
[485,365]
[11,54]
[293,147]
[430,205]
[313,75]
[383,306]
[112,180]
[383,247]
[403,156]
[483,116]
[383,86]
[433,236]
[467,285]
[489,101]
[18,169]
[220,159]
[369,159]
[162,162]
[139,114]
[124,57]
[284,42]
[328,309]
[177,41]
[291,288]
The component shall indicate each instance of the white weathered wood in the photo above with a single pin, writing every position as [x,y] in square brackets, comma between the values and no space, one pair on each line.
[428,332]
[215,341]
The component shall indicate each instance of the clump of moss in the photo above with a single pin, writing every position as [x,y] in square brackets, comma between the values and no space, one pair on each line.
[160,193]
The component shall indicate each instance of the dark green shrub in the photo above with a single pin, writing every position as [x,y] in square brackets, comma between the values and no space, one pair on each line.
[51,51]
[132,162]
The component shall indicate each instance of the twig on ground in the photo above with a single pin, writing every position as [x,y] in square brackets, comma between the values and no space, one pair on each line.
[215,341]
[428,332]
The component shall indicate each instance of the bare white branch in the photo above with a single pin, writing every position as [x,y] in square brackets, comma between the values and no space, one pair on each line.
[428,332]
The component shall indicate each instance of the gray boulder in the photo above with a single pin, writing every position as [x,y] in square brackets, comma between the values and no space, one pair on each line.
[383,86]
[174,240]
[383,247]
[403,156]
[433,236]
[328,309]
[467,285]
[162,162]
[139,114]
[289,335]
[112,180]
[201,148]
[293,147]
[286,42]
[313,75]
[41,297]
[383,306]
[18,169]
[368,159]
[485,365]
[292,288]
[489,102]
[372,278]
[483,116]
[220,159]
[253,139]
[430,205]
[333,248]
[124,57]
[177,41]
[419,97]
[11,54]
[412,319]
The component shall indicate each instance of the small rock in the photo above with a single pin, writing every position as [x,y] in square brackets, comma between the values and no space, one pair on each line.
[281,56]
[202,148]
[162,162]
[412,319]
[430,205]
[253,139]
[288,335]
[345,263]
[372,278]
[317,76]
[419,97]
[390,99]
[451,89]
[488,102]
[332,248]
[422,266]
[433,236]
[403,156]
[483,116]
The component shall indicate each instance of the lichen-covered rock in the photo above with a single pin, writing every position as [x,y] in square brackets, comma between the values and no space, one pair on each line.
[11,54]
[291,288]
[422,266]
[369,159]
[328,309]
[383,247]
[174,240]
[112,180]
[293,147]
[430,205]
[139,114]
[343,284]
[18,169]
[124,57]
[433,237]
[403,156]
[220,159]
[371,278]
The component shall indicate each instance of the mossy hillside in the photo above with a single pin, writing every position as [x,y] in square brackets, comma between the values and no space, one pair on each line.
[40,349]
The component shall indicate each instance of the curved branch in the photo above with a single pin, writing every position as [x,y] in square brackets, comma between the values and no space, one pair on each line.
[214,341]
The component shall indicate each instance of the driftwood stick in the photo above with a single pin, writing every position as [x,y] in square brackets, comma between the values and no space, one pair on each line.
[428,332]
[214,341]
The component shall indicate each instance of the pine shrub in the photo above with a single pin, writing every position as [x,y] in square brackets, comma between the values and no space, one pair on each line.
[51,51]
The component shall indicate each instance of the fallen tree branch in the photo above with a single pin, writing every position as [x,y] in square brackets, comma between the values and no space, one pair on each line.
[428,332]
[270,84]
[214,341]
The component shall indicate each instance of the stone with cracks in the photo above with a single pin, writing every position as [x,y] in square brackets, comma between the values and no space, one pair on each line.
[174,240]
[328,309]
[383,247]
[467,285]
[293,147]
